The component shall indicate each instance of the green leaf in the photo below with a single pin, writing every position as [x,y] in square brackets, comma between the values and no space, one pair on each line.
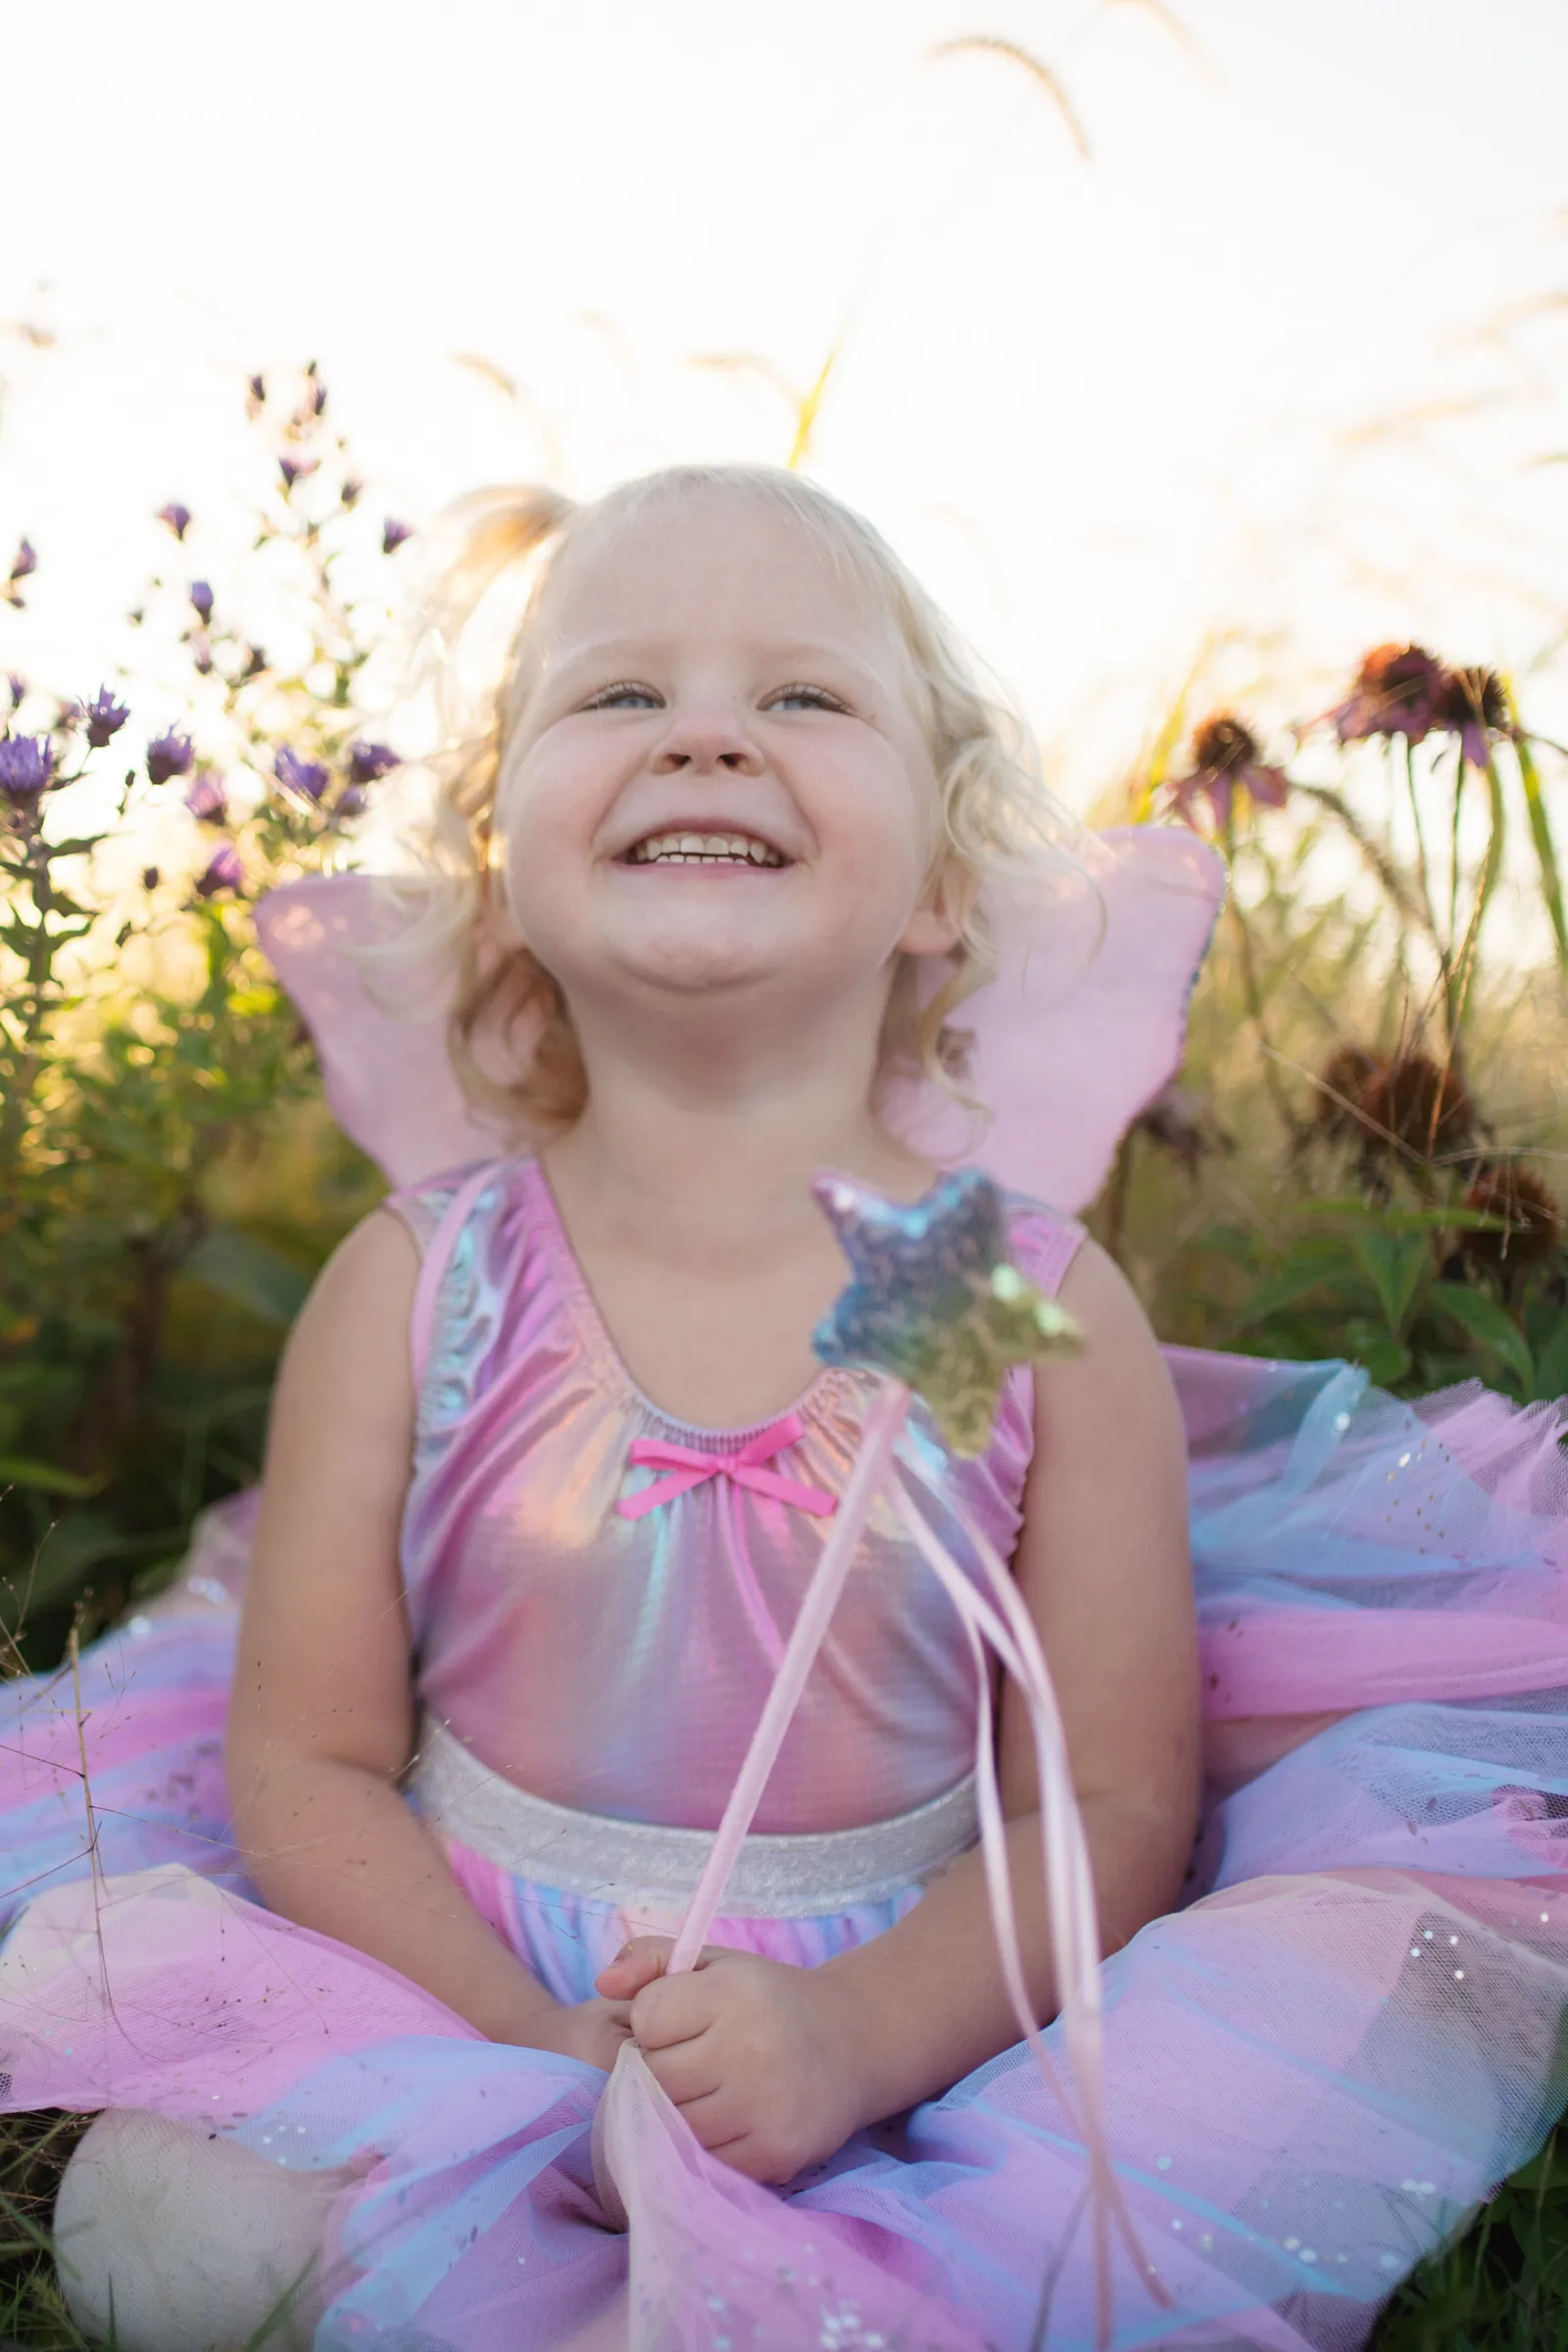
[1306,1267]
[1384,1217]
[20,1470]
[1489,1323]
[1385,1360]
[239,1267]
[1393,1263]
[1551,1361]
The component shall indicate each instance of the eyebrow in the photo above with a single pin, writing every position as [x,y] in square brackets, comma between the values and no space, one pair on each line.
[612,651]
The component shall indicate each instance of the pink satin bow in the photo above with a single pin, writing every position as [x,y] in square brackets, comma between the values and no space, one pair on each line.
[689,1466]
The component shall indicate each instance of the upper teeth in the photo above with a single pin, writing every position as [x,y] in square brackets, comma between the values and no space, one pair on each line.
[682,847]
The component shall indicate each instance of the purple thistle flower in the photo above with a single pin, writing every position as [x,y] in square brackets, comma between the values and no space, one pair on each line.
[306,777]
[104,717]
[201,597]
[176,516]
[295,470]
[27,764]
[18,690]
[25,562]
[317,395]
[256,391]
[223,871]
[352,800]
[168,756]
[149,877]
[205,800]
[1396,692]
[393,534]
[201,653]
[367,761]
[351,490]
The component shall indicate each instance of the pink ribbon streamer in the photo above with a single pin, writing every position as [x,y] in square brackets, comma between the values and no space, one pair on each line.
[997,1617]
[690,1466]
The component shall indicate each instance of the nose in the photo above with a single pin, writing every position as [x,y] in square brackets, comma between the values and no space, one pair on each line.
[707,742]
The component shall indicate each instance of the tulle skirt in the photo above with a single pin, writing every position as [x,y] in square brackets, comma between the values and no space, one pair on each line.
[1315,2069]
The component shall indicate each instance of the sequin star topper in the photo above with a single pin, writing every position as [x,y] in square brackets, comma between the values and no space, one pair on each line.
[935,1299]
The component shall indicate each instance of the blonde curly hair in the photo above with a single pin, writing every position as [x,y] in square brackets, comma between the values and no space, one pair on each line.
[512,1034]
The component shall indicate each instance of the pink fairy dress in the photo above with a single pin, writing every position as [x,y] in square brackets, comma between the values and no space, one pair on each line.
[1313,2070]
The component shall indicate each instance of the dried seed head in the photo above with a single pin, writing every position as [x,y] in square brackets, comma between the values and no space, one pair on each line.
[1412,1104]
[1341,1083]
[1535,1228]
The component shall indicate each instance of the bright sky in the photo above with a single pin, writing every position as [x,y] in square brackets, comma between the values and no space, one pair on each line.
[1108,409]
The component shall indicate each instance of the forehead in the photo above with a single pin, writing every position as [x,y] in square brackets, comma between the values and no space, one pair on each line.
[715,564]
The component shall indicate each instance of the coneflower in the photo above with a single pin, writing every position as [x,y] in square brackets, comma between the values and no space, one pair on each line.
[1396,692]
[1226,758]
[1474,706]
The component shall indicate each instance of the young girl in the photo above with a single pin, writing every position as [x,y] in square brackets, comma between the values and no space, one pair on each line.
[742,810]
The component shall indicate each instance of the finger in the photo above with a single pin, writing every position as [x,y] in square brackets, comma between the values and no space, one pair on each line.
[741,2154]
[686,2074]
[636,1964]
[674,2009]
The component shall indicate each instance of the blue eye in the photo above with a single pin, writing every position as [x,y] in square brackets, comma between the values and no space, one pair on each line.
[807,698]
[622,697]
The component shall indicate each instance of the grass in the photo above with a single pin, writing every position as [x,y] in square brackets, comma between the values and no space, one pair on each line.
[1501,2287]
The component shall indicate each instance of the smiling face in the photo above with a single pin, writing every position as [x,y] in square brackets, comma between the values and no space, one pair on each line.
[718,782]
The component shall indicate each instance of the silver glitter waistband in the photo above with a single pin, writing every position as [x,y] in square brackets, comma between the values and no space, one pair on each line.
[643,1864]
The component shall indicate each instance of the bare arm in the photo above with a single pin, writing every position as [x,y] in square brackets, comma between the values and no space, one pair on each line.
[321,1722]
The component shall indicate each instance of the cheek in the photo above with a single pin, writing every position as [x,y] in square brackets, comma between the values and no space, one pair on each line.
[890,826]
[545,820]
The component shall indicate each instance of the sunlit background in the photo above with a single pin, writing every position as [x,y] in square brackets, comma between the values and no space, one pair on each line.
[1227,335]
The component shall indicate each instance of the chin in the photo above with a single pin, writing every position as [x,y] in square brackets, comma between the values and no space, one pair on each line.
[692,966]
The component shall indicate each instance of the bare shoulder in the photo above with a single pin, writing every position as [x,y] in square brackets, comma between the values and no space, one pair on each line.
[354,1327]
[342,1421]
[1120,1361]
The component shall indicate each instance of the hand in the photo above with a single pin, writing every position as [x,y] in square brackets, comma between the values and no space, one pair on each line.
[760,2058]
[591,2031]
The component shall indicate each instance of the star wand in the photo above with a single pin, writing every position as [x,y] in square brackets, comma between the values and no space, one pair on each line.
[936,1305]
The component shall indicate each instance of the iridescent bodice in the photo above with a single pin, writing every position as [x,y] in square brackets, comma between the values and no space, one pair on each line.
[618,1664]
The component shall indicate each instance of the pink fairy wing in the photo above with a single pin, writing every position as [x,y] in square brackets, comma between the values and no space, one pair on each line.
[1086,1019]
[1080,1027]
[381,1044]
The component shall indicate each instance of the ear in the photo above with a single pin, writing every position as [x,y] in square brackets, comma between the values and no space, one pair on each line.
[936,926]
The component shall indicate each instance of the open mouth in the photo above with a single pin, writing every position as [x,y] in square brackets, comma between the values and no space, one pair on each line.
[703,849]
